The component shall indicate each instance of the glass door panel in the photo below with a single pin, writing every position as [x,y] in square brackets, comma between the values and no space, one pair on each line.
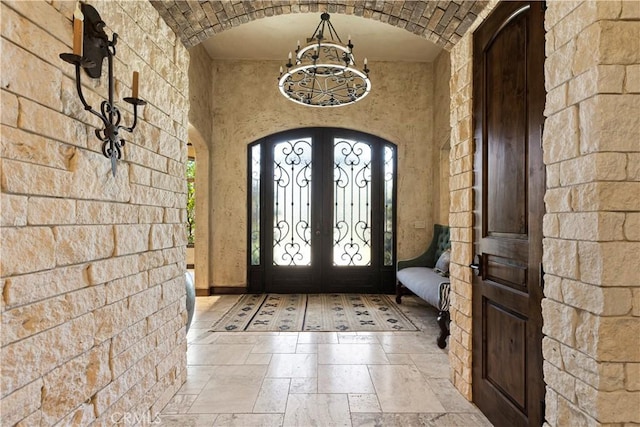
[352,203]
[292,203]
[321,212]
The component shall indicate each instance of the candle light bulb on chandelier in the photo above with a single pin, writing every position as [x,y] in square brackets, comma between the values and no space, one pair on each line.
[324,72]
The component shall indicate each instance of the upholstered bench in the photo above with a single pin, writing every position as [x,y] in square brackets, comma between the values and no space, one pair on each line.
[427,276]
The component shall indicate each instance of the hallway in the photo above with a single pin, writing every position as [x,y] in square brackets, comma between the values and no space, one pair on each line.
[317,378]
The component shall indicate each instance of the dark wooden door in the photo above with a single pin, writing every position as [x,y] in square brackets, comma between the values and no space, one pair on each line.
[509,180]
[328,212]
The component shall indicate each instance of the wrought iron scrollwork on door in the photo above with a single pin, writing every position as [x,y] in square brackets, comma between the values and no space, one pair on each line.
[292,202]
[352,201]
[388,219]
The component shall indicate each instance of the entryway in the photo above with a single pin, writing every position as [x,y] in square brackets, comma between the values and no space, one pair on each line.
[322,212]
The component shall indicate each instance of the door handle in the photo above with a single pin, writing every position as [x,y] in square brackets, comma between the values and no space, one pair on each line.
[317,232]
[476,266]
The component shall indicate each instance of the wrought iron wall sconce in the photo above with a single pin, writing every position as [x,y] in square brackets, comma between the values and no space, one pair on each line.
[88,30]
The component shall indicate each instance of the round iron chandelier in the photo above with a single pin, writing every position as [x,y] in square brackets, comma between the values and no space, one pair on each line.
[324,72]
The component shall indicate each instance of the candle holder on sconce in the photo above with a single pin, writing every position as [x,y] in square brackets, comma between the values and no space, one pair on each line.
[89,31]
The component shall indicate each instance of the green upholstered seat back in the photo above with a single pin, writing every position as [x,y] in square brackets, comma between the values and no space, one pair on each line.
[441,237]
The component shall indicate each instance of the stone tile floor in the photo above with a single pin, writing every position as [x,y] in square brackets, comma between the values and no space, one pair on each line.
[317,378]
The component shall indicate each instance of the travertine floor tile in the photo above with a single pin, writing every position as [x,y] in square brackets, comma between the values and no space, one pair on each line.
[233,388]
[272,396]
[324,410]
[344,379]
[276,344]
[364,403]
[179,404]
[249,420]
[218,354]
[293,366]
[407,343]
[461,420]
[399,359]
[258,359]
[432,365]
[185,420]
[351,354]
[401,388]
[353,338]
[307,348]
[304,385]
[317,378]
[317,337]
[451,399]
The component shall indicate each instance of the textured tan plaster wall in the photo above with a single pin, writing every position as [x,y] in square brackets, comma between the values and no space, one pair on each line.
[247,106]
[200,137]
[441,135]
[200,99]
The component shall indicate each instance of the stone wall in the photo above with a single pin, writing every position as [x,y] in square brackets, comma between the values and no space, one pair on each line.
[591,246]
[248,108]
[461,207]
[591,227]
[93,306]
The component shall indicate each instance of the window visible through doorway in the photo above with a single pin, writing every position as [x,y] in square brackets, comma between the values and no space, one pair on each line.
[191,201]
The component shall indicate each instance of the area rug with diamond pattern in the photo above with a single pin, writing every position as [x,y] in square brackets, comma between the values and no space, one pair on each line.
[314,312]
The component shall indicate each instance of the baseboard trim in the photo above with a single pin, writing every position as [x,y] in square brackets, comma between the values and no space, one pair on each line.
[203,292]
[227,290]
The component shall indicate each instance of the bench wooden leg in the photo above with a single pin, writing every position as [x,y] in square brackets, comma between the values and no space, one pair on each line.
[443,322]
[399,292]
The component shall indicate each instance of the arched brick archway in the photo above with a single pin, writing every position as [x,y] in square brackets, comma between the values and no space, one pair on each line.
[441,22]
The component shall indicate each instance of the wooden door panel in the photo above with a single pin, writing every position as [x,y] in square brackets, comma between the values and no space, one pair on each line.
[508,115]
[505,335]
[505,130]
[506,271]
[514,300]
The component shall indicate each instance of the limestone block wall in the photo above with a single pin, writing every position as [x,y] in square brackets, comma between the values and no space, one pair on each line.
[461,206]
[591,246]
[92,289]
[248,106]
[592,226]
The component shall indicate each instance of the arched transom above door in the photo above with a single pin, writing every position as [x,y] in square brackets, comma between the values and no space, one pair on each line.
[441,22]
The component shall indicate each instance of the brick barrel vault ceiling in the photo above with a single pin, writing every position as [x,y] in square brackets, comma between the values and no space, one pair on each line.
[441,22]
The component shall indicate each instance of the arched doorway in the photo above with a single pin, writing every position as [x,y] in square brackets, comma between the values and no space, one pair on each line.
[321,212]
[201,248]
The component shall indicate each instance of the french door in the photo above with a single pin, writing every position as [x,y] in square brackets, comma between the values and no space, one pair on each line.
[321,212]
